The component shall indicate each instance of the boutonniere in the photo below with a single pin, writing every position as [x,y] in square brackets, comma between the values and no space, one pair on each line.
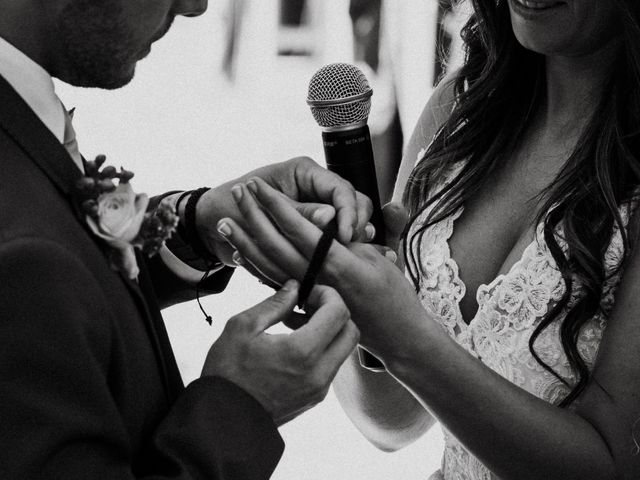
[118,216]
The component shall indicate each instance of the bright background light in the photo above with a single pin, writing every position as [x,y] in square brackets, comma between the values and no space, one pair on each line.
[182,124]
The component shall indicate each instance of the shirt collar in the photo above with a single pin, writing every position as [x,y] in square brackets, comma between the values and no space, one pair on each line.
[34,84]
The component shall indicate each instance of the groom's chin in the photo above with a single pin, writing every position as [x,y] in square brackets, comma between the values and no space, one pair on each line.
[102,77]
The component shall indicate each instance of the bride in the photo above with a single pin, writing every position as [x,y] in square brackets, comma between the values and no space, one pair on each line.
[516,321]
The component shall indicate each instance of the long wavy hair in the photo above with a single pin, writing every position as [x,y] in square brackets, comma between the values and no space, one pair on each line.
[496,93]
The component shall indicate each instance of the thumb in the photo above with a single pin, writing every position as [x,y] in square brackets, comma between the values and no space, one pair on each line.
[395,217]
[275,309]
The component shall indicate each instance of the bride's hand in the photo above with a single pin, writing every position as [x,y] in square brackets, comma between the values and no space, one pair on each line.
[395,218]
[277,241]
[315,192]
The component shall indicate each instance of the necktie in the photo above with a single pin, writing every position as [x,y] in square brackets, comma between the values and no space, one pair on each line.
[70,142]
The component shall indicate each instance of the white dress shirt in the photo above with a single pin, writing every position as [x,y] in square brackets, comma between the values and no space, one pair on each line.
[34,84]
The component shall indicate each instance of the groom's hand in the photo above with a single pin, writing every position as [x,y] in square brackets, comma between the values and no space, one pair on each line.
[286,373]
[315,192]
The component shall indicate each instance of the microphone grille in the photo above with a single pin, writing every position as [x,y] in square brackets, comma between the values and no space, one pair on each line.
[339,95]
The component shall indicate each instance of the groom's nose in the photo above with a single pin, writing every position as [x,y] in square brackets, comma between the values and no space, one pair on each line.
[190,8]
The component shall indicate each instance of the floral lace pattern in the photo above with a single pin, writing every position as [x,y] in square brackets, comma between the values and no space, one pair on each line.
[509,309]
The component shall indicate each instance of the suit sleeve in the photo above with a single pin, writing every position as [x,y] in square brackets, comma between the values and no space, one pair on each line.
[169,286]
[58,415]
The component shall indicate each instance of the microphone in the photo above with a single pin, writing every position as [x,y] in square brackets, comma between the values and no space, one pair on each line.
[340,100]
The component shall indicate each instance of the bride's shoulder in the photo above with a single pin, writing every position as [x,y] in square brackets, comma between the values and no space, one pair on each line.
[434,115]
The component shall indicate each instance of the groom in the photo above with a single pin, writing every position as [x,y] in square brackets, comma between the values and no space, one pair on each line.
[90,387]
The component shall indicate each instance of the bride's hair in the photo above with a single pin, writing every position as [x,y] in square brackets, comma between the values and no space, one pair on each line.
[496,93]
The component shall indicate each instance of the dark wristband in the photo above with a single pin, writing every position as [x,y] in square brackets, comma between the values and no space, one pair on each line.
[190,230]
[182,196]
[317,259]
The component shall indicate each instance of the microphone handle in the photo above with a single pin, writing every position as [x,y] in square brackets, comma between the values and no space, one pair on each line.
[350,155]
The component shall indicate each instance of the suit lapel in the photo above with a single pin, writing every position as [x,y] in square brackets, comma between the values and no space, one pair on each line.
[36,140]
[158,333]
[26,129]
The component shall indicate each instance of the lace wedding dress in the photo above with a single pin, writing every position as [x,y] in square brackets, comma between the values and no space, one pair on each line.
[509,309]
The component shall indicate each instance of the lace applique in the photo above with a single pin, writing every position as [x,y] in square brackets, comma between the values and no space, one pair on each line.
[441,288]
[509,310]
[458,464]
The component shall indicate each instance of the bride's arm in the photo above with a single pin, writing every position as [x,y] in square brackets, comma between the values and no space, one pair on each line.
[435,113]
[382,409]
[517,435]
[514,433]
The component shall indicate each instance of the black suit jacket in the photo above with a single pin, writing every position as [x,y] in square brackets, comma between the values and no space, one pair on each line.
[89,385]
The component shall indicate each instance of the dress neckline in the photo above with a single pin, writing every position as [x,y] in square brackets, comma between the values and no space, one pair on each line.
[482,287]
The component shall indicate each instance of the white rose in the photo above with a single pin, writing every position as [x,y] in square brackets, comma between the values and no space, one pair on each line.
[120,216]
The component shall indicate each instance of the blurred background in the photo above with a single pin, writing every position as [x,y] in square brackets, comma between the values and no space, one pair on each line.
[225,93]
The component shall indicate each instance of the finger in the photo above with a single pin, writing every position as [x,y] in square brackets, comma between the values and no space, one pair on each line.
[366,235]
[328,319]
[270,242]
[318,183]
[346,212]
[271,311]
[302,234]
[369,252]
[364,208]
[250,253]
[319,214]
[387,252]
[395,217]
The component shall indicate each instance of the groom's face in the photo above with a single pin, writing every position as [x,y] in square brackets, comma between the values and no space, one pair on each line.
[102,40]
